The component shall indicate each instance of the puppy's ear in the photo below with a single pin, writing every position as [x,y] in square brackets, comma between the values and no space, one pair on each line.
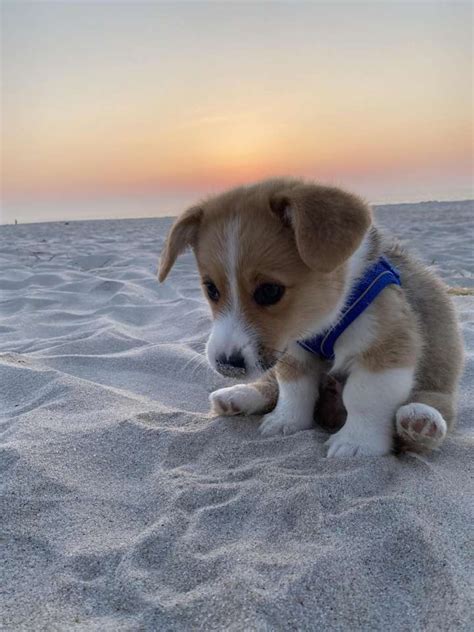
[183,234]
[328,223]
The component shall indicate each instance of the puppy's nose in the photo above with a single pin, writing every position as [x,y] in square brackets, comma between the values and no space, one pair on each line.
[234,361]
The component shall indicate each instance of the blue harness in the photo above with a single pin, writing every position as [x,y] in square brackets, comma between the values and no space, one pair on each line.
[367,288]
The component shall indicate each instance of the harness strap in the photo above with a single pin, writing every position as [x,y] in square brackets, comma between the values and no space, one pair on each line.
[367,288]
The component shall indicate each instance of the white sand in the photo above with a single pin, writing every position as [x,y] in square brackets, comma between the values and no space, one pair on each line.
[126,507]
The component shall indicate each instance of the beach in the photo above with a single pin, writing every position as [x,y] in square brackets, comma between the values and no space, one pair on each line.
[127,506]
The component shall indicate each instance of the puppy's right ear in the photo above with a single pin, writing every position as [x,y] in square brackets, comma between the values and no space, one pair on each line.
[182,235]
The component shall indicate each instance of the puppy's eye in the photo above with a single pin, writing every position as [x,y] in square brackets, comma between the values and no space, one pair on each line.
[268,293]
[212,291]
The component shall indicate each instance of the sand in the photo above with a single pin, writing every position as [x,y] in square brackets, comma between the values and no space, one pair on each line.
[125,506]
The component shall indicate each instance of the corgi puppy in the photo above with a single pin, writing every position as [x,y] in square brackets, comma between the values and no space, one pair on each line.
[285,263]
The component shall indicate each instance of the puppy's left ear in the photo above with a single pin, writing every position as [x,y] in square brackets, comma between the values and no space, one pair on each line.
[328,223]
[182,235]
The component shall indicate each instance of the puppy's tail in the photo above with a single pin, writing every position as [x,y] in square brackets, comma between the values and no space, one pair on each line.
[422,424]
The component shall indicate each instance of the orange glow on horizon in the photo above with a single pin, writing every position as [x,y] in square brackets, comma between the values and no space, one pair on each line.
[203,109]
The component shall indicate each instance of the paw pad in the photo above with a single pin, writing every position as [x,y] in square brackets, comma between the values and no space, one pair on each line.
[224,406]
[421,424]
[236,400]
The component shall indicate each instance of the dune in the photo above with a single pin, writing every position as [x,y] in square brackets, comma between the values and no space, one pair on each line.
[127,506]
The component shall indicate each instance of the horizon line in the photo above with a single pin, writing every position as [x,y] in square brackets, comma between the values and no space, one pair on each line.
[151,217]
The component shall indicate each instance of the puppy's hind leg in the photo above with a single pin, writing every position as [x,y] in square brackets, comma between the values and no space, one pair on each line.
[248,399]
[371,399]
[422,424]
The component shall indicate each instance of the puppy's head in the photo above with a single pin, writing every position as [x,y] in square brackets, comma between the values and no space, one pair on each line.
[273,264]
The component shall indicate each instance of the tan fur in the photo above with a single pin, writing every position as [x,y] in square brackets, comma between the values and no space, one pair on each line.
[301,236]
[267,386]
[328,223]
[289,369]
[398,341]
[441,359]
[182,235]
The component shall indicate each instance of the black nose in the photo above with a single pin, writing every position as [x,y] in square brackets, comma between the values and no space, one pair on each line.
[234,361]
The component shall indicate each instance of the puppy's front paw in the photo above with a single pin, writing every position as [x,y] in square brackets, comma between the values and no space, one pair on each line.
[346,444]
[236,400]
[281,422]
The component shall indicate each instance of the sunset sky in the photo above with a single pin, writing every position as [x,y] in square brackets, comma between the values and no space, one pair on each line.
[121,109]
